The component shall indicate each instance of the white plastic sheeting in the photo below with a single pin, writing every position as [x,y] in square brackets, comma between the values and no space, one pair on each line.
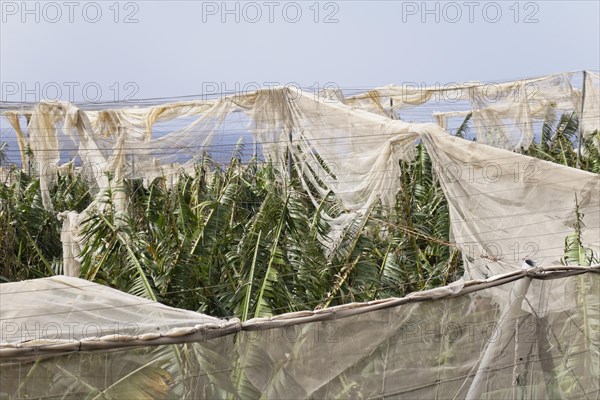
[351,153]
[504,114]
[505,207]
[434,350]
[591,105]
[359,151]
[447,343]
[65,314]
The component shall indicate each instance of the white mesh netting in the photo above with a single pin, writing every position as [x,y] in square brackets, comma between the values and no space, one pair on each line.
[496,196]
[504,207]
[504,114]
[82,340]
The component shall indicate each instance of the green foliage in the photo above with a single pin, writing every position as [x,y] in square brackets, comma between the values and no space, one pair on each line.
[30,244]
[580,363]
[558,143]
[234,241]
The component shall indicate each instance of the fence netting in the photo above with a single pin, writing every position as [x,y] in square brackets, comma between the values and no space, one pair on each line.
[447,343]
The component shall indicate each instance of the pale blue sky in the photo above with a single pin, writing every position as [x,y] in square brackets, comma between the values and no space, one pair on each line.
[171,51]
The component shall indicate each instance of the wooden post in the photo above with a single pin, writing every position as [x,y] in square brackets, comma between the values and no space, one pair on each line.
[579,128]
[289,160]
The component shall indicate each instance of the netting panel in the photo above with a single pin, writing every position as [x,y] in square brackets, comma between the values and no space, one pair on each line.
[430,349]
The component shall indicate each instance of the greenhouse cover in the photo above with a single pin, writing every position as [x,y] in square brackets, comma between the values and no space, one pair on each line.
[68,338]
